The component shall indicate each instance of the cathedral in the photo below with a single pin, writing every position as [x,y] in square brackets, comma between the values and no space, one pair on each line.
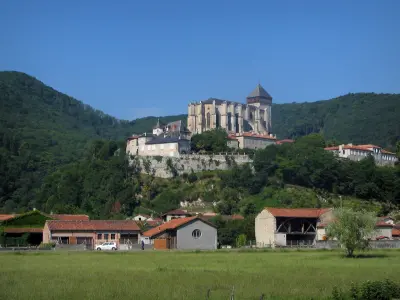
[234,117]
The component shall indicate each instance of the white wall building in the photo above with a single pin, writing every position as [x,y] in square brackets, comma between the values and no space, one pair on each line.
[359,152]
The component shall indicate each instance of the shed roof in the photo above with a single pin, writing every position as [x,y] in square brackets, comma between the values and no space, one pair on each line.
[4,217]
[297,212]
[93,225]
[23,230]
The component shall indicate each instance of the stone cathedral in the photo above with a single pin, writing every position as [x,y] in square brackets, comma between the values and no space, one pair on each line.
[234,117]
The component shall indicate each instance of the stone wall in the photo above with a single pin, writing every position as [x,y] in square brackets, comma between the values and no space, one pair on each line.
[165,167]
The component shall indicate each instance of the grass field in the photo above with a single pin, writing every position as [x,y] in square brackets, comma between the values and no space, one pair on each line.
[187,275]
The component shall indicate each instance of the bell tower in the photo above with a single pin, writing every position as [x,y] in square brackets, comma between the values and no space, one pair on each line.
[260,98]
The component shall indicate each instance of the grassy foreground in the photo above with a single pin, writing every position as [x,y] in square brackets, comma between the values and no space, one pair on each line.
[187,275]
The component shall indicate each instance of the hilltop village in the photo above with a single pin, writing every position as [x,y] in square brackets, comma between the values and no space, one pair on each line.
[248,126]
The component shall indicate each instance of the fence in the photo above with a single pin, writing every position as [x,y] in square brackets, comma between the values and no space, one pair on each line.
[389,244]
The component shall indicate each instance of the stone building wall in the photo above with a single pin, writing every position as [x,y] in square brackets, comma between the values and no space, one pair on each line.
[164,166]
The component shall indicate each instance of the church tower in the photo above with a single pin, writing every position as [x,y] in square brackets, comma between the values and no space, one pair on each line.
[260,99]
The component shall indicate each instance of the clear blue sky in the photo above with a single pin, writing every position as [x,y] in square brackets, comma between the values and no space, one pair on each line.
[138,58]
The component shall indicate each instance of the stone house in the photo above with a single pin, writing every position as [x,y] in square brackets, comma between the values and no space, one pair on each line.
[149,145]
[248,140]
[184,234]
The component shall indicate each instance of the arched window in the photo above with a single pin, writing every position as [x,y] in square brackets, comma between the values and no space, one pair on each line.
[217,119]
[196,233]
[208,120]
[229,121]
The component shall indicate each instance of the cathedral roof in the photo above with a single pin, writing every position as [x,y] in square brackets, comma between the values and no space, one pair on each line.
[259,91]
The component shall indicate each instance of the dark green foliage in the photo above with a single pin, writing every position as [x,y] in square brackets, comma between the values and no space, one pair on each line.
[30,219]
[229,230]
[213,141]
[42,129]
[103,186]
[306,163]
[370,290]
[353,118]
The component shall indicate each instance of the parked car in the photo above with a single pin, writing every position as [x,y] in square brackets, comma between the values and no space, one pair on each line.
[107,246]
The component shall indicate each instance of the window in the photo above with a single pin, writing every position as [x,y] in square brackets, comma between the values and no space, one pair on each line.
[106,236]
[196,233]
[113,236]
[99,236]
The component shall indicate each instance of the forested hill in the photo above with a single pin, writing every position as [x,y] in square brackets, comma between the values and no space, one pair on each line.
[41,129]
[362,118]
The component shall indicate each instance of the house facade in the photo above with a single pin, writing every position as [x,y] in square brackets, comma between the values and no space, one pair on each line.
[359,152]
[248,140]
[149,145]
[91,233]
[175,214]
[190,233]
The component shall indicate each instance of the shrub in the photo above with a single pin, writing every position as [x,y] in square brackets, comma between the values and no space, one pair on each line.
[47,245]
[370,290]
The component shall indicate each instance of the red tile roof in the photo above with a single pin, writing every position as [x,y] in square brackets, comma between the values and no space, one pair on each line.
[360,148]
[154,222]
[23,230]
[378,224]
[177,212]
[93,225]
[173,224]
[297,212]
[260,136]
[284,141]
[383,224]
[64,217]
[6,217]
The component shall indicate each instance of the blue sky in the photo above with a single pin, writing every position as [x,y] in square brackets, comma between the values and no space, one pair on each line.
[137,58]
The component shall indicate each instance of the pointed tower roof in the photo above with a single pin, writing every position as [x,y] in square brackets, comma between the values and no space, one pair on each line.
[259,91]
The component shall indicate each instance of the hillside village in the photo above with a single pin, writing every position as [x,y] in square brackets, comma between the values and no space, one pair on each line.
[245,127]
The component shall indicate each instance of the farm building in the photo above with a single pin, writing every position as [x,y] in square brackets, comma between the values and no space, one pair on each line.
[123,232]
[183,233]
[290,226]
[26,229]
[174,214]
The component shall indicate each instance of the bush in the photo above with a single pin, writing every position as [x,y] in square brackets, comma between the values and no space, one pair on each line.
[370,290]
[46,246]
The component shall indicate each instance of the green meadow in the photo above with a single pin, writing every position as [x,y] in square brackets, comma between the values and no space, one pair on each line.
[188,275]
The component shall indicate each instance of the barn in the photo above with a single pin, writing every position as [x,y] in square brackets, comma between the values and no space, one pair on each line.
[289,226]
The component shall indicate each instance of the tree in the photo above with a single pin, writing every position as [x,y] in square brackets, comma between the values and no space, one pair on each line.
[241,240]
[352,229]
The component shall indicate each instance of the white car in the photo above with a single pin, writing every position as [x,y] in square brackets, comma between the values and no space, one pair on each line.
[107,246]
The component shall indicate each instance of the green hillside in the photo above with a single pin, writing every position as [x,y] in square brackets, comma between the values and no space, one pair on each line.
[362,118]
[41,129]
